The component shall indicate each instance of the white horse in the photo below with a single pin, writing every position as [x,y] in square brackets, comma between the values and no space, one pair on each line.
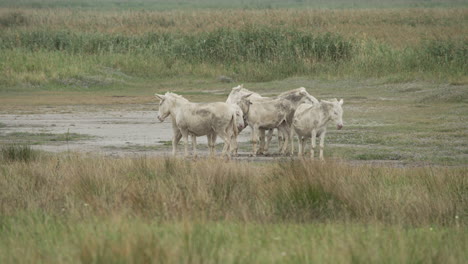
[295,97]
[311,121]
[210,119]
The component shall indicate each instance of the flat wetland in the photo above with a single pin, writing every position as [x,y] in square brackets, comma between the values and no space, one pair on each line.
[413,123]
[86,174]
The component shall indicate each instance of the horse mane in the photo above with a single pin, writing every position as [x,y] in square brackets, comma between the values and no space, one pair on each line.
[304,111]
[176,96]
[292,91]
[245,90]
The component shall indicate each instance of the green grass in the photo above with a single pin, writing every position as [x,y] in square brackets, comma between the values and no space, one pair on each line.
[75,208]
[405,103]
[86,61]
[41,138]
[16,152]
[44,239]
[250,4]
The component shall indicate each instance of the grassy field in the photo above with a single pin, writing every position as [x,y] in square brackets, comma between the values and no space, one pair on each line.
[163,5]
[45,49]
[72,208]
[401,67]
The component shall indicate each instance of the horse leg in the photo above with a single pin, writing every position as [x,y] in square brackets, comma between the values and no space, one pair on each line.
[212,144]
[227,143]
[301,146]
[312,143]
[268,140]
[262,141]
[234,145]
[303,143]
[175,140]
[194,145]
[291,137]
[280,140]
[185,136]
[322,143]
[254,141]
[286,133]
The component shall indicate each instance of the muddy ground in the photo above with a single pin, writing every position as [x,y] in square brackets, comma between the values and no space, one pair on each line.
[112,131]
[118,131]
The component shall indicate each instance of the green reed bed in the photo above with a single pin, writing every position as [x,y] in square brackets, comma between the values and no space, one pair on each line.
[250,54]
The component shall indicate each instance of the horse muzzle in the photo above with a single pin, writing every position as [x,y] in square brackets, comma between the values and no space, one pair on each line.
[339,126]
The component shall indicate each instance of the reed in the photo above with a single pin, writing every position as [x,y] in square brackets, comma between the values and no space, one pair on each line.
[77,209]
[252,45]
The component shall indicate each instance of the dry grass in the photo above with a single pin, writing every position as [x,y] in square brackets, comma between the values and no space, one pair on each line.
[76,209]
[177,189]
[398,27]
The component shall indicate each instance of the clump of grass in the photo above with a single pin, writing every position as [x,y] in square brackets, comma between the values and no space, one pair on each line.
[447,51]
[12,19]
[40,138]
[451,94]
[379,156]
[15,152]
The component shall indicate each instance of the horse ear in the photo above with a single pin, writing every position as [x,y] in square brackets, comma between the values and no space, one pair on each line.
[341,102]
[159,96]
[246,96]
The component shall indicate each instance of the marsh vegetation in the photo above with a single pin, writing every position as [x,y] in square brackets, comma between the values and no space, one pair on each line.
[401,67]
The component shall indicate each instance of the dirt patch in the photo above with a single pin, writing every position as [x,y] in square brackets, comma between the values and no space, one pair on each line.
[124,130]
[110,131]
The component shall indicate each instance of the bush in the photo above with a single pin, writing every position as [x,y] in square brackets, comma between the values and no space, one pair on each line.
[13,19]
[18,153]
[447,51]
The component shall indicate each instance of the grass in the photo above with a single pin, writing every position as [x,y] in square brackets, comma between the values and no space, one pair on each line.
[73,208]
[41,138]
[16,152]
[170,189]
[162,5]
[133,240]
[401,72]
[408,122]
[79,50]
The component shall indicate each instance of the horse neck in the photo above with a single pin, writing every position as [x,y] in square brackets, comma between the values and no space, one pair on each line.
[293,98]
[177,105]
[231,99]
[324,113]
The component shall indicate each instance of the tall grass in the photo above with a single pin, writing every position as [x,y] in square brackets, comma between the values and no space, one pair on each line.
[245,4]
[248,45]
[93,209]
[288,191]
[17,152]
[221,46]
[254,54]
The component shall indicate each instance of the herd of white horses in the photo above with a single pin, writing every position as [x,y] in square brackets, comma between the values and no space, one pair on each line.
[292,112]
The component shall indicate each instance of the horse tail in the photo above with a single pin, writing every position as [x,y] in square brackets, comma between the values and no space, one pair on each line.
[233,124]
